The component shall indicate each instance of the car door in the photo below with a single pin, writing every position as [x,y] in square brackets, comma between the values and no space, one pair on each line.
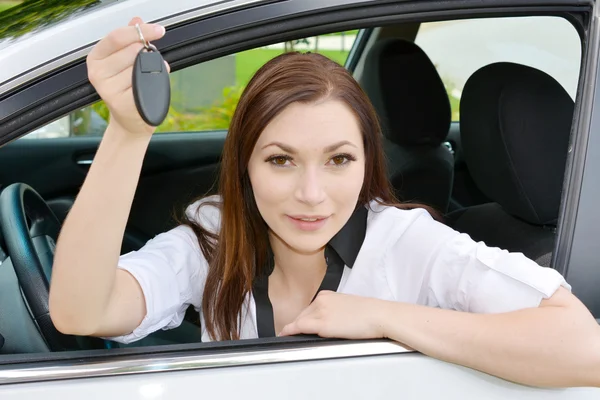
[267,369]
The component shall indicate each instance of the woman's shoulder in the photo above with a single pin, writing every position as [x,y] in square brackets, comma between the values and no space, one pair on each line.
[389,223]
[206,212]
[392,215]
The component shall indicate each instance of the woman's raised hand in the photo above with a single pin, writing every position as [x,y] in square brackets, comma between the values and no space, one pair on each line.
[110,67]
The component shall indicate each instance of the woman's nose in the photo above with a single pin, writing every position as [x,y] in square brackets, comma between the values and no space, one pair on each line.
[310,188]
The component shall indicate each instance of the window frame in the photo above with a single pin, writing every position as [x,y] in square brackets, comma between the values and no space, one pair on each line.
[579,220]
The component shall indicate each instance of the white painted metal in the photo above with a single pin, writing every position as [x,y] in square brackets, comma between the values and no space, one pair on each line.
[401,376]
[34,54]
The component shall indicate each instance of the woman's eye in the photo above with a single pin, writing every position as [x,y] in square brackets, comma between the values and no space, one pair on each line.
[279,161]
[341,160]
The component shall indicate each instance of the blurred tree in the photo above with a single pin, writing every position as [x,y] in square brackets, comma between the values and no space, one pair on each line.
[33,14]
[290,44]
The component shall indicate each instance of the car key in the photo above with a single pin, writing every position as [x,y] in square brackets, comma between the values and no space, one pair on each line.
[150,84]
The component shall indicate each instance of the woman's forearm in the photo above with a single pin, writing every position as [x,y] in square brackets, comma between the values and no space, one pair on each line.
[544,346]
[88,248]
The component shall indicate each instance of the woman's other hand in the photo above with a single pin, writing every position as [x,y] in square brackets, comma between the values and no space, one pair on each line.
[339,315]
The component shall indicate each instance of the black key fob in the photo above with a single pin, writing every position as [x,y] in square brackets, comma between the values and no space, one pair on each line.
[151,86]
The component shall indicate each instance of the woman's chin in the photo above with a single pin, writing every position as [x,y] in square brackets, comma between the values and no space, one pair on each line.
[306,246]
[302,242]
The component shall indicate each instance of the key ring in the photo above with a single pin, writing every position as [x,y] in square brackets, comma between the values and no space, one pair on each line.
[141,36]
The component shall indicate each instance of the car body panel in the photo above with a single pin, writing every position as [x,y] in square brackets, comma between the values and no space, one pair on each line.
[403,375]
[43,46]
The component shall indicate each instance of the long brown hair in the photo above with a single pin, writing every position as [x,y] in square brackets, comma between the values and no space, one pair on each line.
[237,252]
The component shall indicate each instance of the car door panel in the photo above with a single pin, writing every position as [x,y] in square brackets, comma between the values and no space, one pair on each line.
[177,168]
[396,376]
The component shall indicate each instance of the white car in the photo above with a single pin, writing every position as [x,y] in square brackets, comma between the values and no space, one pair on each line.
[526,186]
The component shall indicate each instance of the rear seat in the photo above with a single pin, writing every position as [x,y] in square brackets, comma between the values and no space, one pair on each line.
[411,101]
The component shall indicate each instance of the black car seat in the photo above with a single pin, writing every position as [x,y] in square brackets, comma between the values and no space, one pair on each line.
[515,127]
[411,101]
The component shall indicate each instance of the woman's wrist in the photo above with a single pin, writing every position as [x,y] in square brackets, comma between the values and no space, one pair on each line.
[386,315]
[120,149]
[116,131]
[394,321]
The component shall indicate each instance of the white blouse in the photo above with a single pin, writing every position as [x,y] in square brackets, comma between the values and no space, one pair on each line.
[406,256]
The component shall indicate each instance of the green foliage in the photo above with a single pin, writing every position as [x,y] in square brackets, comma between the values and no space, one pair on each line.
[453,95]
[454,100]
[455,106]
[101,109]
[215,117]
[5,5]
[33,14]
[352,32]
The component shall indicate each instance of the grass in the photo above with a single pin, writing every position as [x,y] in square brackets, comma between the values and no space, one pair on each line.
[248,62]
[5,5]
[353,32]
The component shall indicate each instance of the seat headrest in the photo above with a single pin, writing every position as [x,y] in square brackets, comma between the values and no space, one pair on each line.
[515,126]
[407,93]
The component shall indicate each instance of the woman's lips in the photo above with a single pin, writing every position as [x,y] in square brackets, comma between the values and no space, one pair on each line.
[308,223]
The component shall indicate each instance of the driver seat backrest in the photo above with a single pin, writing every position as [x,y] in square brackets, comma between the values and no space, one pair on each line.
[515,128]
[413,107]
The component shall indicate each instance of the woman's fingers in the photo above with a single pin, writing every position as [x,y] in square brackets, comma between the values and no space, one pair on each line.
[302,325]
[118,84]
[305,322]
[118,62]
[112,58]
[121,38]
[135,20]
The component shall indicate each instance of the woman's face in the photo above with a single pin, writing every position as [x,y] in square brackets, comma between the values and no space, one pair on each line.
[307,171]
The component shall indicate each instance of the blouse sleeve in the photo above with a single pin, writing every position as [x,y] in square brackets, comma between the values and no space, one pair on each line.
[455,272]
[171,271]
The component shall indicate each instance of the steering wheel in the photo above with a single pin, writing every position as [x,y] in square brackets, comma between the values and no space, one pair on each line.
[30,230]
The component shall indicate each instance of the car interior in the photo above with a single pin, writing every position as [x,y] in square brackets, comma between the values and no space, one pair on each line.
[495,174]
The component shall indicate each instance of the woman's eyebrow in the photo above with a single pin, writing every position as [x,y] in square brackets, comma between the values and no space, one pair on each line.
[282,146]
[337,145]
[327,149]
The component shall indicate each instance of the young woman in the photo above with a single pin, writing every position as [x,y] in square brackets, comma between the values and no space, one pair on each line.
[304,237]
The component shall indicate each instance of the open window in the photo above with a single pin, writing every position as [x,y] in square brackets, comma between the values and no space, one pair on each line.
[203,96]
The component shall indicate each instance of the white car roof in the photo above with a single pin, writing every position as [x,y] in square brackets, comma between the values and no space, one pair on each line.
[24,57]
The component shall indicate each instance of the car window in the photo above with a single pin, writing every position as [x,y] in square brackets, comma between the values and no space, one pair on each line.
[204,96]
[550,44]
